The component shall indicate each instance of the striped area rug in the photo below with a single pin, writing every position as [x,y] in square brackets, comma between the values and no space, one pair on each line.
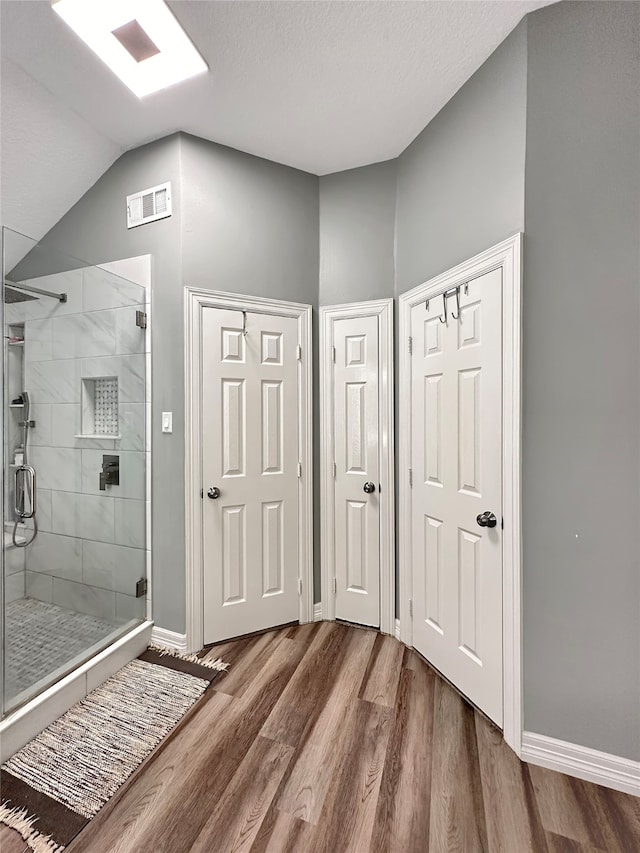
[52,787]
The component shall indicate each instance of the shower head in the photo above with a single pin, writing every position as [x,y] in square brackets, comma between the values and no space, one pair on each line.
[12,295]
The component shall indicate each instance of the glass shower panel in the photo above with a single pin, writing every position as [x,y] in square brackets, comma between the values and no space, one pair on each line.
[75,460]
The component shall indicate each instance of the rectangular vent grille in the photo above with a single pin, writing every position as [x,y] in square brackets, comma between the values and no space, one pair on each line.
[149,205]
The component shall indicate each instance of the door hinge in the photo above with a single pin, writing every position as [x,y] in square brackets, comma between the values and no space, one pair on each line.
[299,470]
[334,586]
[411,607]
[410,345]
[502,524]
[335,470]
[333,354]
[299,348]
[411,477]
[299,586]
[141,319]
[202,493]
[141,587]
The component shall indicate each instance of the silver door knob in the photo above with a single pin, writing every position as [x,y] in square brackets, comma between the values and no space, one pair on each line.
[213,493]
[487,519]
[368,488]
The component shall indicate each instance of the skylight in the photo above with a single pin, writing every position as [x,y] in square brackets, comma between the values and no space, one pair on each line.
[140,41]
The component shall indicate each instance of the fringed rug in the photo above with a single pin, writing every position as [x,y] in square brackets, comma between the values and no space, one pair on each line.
[59,781]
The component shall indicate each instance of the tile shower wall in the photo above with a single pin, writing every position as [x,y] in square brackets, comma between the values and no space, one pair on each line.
[91,547]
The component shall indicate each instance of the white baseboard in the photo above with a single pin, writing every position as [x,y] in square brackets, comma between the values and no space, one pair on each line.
[317,611]
[397,630]
[169,639]
[621,774]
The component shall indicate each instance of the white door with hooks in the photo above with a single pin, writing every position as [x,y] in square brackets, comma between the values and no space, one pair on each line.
[250,466]
[456,462]
[357,520]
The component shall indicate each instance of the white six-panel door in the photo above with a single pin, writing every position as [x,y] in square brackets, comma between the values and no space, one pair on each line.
[357,474]
[250,471]
[456,460]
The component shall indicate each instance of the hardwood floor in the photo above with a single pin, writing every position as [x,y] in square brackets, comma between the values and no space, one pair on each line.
[325,738]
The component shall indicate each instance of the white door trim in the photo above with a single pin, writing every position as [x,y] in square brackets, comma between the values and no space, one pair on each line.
[383,310]
[195,301]
[507,256]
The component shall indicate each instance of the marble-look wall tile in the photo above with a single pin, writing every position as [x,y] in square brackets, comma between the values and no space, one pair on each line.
[43,510]
[14,588]
[58,468]
[38,340]
[131,426]
[130,338]
[53,381]
[14,561]
[112,566]
[39,586]
[64,282]
[40,435]
[60,556]
[84,599]
[129,607]
[102,289]
[65,424]
[130,523]
[130,370]
[83,516]
[84,335]
[132,474]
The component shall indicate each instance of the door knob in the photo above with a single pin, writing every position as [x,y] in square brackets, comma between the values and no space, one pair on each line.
[213,493]
[487,519]
[369,487]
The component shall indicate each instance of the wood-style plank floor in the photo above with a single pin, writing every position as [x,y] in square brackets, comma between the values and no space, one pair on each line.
[328,738]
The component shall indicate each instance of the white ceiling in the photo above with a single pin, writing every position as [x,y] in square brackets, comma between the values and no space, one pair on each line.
[321,86]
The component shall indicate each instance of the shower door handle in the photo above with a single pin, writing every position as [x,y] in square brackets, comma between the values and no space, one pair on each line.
[21,471]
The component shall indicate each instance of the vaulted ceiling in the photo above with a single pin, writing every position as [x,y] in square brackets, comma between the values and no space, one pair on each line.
[322,86]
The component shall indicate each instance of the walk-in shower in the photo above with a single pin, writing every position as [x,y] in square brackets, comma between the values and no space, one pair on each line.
[75,399]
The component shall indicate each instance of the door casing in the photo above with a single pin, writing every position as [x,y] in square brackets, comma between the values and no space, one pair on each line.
[507,256]
[383,310]
[196,301]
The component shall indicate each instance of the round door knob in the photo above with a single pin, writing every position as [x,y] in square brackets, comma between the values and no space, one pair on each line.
[213,493]
[369,487]
[487,519]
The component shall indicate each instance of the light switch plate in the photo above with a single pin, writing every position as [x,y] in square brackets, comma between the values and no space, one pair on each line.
[167,422]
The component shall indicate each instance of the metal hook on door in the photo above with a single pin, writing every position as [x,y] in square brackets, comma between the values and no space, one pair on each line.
[244,323]
[456,316]
[444,302]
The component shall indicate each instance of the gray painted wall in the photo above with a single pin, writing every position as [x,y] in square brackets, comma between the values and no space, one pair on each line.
[461,182]
[357,223]
[581,376]
[240,224]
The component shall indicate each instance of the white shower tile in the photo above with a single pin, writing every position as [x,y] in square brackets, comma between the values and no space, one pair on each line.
[14,588]
[112,566]
[129,607]
[39,586]
[84,335]
[130,523]
[83,516]
[38,340]
[53,381]
[64,282]
[58,468]
[65,424]
[131,427]
[132,474]
[40,435]
[102,289]
[60,556]
[84,599]
[129,369]
[14,561]
[43,510]
[130,338]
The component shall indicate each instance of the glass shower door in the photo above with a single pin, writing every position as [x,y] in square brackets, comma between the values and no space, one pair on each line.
[75,460]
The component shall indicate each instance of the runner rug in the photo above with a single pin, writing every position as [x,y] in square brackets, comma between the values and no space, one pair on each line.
[52,787]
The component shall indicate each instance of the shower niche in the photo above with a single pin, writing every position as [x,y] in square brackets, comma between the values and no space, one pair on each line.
[100,418]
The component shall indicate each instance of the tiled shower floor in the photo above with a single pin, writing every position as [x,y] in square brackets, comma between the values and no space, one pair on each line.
[42,638]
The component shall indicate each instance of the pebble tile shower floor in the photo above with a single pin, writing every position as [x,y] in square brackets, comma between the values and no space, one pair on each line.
[40,638]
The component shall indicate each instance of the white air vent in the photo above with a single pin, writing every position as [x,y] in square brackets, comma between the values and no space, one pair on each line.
[149,205]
